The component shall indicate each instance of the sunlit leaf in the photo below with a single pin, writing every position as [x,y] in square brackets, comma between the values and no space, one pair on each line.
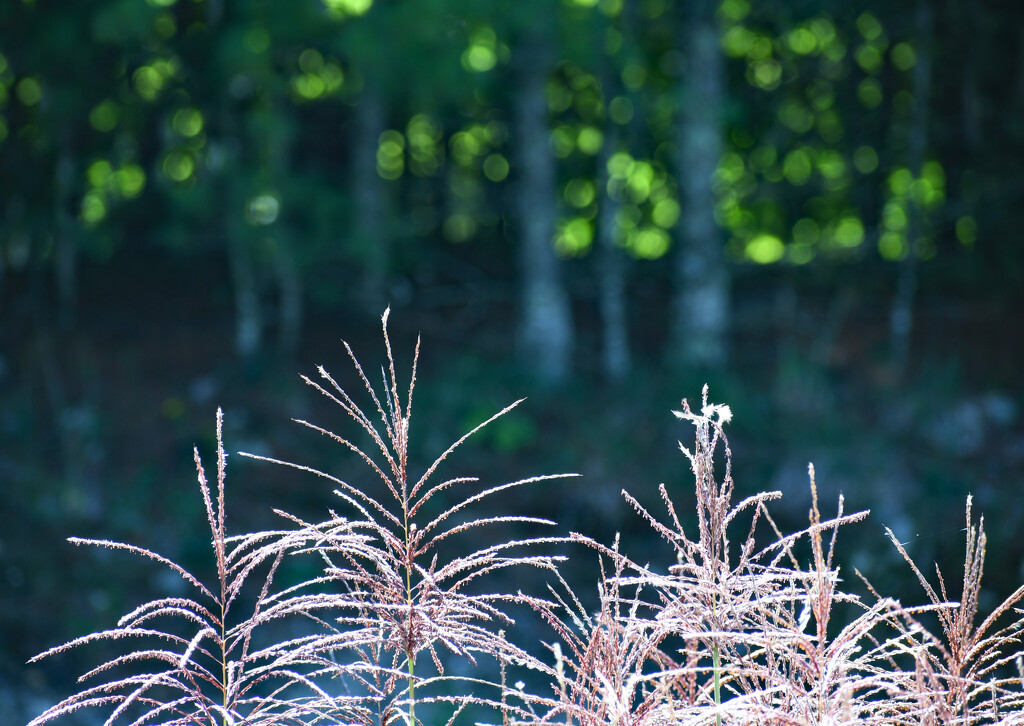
[496,167]
[648,243]
[765,249]
[869,92]
[188,121]
[580,192]
[575,237]
[29,91]
[903,56]
[94,208]
[590,140]
[665,213]
[179,165]
[797,167]
[391,154]
[892,246]
[967,230]
[806,231]
[849,232]
[105,116]
[865,159]
[869,26]
[459,227]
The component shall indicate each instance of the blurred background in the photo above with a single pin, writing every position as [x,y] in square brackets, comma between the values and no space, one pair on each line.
[814,206]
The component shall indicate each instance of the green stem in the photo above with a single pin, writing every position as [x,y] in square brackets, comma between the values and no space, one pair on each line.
[224,658]
[410,657]
[412,691]
[410,646]
[718,682]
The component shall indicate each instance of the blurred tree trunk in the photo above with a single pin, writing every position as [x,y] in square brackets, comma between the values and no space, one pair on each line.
[283,259]
[244,279]
[901,315]
[701,307]
[232,203]
[65,258]
[370,193]
[546,331]
[249,322]
[615,354]
[971,104]
[612,261]
[290,291]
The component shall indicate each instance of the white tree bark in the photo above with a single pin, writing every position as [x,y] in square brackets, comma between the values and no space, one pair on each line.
[244,278]
[615,354]
[701,307]
[612,263]
[546,333]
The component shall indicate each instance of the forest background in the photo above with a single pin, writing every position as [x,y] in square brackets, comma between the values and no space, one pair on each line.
[815,206]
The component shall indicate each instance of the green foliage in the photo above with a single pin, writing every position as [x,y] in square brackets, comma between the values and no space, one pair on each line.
[184,102]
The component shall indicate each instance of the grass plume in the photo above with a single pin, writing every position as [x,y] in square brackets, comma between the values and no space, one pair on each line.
[740,625]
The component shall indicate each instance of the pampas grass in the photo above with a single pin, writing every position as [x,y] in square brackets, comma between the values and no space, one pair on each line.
[740,626]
